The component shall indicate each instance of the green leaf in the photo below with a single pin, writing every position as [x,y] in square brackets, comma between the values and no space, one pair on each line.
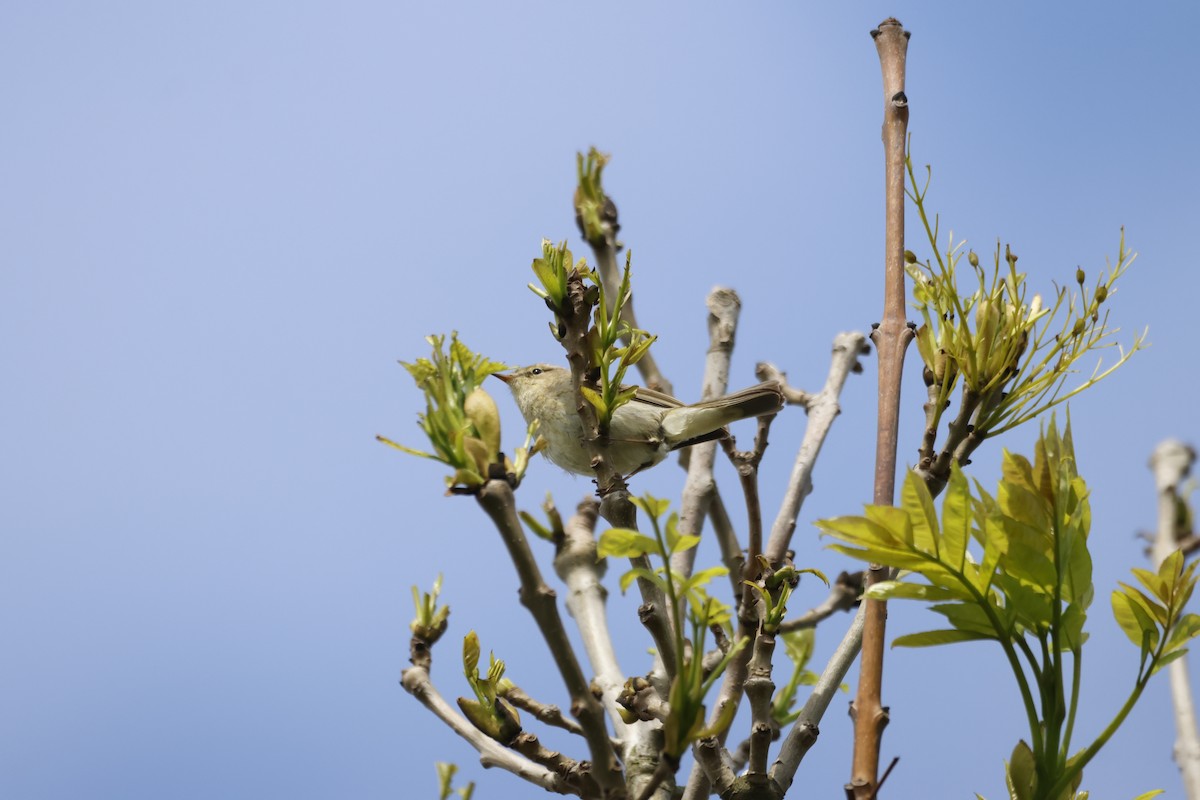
[1170,570]
[704,576]
[1184,630]
[1021,773]
[1032,607]
[1071,626]
[537,528]
[931,638]
[1157,585]
[1133,619]
[593,397]
[471,655]
[967,617]
[886,590]
[641,572]
[653,506]
[917,502]
[1168,658]
[956,519]
[900,559]
[895,520]
[683,543]
[860,531]
[1152,607]
[1018,495]
[813,571]
[1150,794]
[723,720]
[1029,554]
[625,543]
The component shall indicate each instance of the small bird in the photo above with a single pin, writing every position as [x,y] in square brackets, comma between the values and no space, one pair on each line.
[642,431]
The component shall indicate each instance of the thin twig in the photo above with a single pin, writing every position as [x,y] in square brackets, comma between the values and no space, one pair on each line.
[416,681]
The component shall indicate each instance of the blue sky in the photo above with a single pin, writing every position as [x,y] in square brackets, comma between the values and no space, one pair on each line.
[222,223]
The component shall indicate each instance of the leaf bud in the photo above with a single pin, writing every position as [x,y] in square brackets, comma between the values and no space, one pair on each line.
[481,410]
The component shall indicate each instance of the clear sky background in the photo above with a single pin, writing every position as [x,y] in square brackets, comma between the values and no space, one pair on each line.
[222,223]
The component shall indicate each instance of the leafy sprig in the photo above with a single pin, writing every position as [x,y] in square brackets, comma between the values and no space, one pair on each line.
[489,711]
[1027,586]
[431,619]
[461,419]
[1011,352]
[685,722]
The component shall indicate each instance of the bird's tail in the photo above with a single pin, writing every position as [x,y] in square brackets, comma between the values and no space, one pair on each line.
[702,422]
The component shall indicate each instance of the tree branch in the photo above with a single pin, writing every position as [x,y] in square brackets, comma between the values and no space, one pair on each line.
[1171,463]
[804,732]
[822,409]
[699,489]
[579,570]
[416,681]
[891,337]
[496,497]
[844,593]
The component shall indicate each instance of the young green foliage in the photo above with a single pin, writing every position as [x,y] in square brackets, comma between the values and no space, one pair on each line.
[626,543]
[446,780]
[461,419]
[1027,586]
[685,722]
[1011,352]
[798,646]
[594,209]
[613,345]
[489,711]
[431,620]
[689,686]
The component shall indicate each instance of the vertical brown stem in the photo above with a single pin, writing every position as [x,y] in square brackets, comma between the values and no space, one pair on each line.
[891,337]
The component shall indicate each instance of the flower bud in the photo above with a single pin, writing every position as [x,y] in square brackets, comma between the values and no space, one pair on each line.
[1101,294]
[1080,327]
[1080,276]
[1010,256]
[972,259]
[482,412]
[910,257]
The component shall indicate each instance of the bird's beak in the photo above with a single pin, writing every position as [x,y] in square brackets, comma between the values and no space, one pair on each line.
[505,378]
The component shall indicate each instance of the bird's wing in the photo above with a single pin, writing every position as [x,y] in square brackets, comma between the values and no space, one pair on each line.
[658,399]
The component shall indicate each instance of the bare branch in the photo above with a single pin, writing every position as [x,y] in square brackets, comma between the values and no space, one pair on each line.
[823,409]
[699,489]
[804,732]
[545,713]
[891,338]
[1171,462]
[416,681]
[759,688]
[496,497]
[577,774]
[578,568]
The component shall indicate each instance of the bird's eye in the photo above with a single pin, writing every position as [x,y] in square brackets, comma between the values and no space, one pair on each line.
[535,371]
